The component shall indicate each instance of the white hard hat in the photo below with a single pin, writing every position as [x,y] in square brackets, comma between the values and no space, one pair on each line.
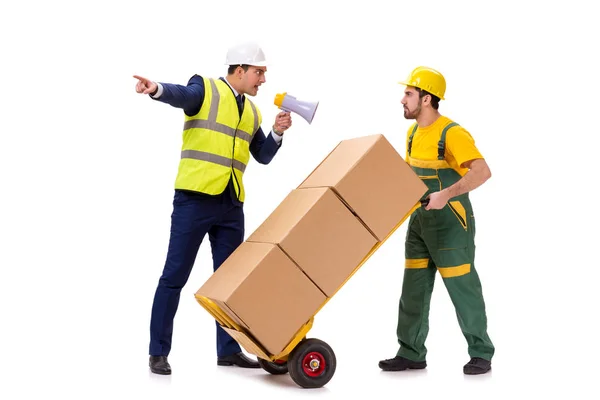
[246,53]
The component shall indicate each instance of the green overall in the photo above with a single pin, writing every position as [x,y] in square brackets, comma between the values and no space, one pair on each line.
[441,240]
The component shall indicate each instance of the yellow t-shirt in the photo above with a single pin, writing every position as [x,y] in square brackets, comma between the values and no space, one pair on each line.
[460,145]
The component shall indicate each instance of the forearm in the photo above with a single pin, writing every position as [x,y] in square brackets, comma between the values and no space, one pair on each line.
[264,148]
[178,96]
[189,98]
[478,173]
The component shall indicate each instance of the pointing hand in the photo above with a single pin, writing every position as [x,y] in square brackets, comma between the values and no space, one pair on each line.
[145,86]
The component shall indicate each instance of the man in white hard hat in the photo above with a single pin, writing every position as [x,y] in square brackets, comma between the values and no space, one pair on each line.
[221,131]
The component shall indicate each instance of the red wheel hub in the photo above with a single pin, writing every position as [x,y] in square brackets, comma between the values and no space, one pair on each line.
[313,364]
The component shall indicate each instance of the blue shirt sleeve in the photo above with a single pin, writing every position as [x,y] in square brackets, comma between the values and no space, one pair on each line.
[189,98]
[263,148]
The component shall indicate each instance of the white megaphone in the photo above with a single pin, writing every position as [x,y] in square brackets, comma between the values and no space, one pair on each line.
[305,109]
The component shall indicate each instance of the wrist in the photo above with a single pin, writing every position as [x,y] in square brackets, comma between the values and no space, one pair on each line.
[447,193]
[275,131]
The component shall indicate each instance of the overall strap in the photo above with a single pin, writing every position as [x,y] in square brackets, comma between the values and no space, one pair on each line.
[442,142]
[411,137]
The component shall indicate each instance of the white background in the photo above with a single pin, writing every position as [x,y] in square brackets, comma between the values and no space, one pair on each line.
[87,168]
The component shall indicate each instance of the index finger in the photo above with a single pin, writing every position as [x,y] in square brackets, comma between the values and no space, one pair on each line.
[140,78]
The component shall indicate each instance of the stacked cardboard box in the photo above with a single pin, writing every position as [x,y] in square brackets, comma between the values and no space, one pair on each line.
[313,241]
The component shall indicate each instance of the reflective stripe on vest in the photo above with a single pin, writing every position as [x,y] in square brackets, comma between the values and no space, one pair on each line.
[216,142]
[212,123]
[213,158]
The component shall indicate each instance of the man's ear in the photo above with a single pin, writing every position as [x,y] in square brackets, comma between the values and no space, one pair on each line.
[239,71]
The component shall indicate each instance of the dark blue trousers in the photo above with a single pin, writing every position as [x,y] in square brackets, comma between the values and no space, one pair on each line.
[194,216]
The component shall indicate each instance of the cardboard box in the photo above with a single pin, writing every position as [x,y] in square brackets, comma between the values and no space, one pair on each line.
[312,242]
[264,291]
[371,177]
[320,234]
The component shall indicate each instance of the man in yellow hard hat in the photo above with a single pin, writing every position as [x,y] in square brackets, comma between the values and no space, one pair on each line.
[440,234]
[222,129]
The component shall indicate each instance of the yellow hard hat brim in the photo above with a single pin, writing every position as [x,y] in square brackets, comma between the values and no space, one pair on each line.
[413,85]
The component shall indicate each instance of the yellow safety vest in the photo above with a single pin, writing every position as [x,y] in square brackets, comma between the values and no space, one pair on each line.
[216,142]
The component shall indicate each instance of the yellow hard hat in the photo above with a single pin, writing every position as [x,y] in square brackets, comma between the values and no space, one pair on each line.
[427,79]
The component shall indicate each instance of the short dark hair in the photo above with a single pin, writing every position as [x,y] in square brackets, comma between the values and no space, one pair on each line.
[435,101]
[232,68]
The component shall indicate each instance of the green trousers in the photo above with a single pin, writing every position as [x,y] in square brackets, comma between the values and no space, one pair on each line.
[441,241]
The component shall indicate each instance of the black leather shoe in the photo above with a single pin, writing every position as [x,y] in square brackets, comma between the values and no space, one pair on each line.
[238,359]
[160,365]
[477,366]
[400,364]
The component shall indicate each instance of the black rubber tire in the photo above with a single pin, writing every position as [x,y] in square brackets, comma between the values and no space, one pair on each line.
[298,357]
[273,368]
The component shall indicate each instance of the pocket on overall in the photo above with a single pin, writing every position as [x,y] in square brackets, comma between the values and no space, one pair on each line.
[460,212]
[452,232]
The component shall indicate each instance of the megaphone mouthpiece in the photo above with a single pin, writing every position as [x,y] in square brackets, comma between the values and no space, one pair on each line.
[289,103]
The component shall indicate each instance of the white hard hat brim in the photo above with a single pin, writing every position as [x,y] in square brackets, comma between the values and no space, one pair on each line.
[254,64]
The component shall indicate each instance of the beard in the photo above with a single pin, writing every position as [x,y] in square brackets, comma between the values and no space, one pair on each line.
[412,114]
[408,114]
